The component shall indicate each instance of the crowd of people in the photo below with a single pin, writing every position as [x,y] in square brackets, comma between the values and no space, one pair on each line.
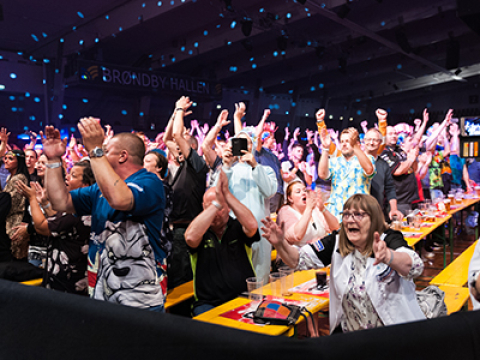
[124,218]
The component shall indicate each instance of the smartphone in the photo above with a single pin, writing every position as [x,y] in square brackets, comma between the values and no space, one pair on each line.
[239,144]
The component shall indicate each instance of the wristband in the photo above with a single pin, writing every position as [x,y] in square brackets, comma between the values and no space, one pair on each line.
[53,165]
[391,257]
[179,109]
[217,205]
[218,126]
[46,206]
[324,209]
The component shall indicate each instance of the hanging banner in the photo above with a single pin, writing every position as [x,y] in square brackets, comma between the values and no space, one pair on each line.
[113,76]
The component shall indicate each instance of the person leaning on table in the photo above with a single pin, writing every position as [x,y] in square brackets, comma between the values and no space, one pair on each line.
[371,277]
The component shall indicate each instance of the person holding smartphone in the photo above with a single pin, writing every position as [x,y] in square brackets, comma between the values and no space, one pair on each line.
[252,184]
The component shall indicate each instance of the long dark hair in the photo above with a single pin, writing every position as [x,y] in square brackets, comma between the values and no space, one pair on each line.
[21,166]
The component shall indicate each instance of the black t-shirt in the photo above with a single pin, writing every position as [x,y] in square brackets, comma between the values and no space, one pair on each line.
[188,188]
[221,266]
[394,240]
[405,184]
[67,263]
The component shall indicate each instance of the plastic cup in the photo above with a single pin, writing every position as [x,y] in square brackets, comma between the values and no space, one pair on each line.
[287,280]
[447,204]
[276,284]
[255,292]
[417,221]
[477,191]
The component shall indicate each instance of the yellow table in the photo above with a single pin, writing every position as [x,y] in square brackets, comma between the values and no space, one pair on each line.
[458,208]
[314,305]
[424,230]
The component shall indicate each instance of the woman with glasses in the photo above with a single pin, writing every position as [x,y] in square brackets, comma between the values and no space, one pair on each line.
[305,217]
[372,268]
[15,164]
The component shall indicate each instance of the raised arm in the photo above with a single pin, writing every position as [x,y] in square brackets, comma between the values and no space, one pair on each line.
[260,127]
[323,164]
[417,138]
[4,139]
[181,107]
[363,159]
[114,189]
[407,164]
[432,139]
[54,148]
[199,226]
[382,127]
[33,141]
[240,110]
[207,145]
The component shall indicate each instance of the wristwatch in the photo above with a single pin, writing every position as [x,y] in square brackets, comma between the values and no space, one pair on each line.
[95,153]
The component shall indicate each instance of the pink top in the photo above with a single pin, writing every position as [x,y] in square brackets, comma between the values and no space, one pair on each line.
[316,229]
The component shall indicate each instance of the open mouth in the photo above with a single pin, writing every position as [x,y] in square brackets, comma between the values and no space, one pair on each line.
[353,230]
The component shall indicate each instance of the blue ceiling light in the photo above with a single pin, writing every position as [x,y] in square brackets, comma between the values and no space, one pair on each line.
[233,24]
[359,112]
[36,99]
[254,66]
[34,37]
[85,100]
[321,85]
[80,15]
[32,117]
[195,44]
[13,75]
[312,88]
[64,107]
[124,112]
[27,94]
[44,35]
[159,3]
[11,97]
[289,16]
[14,109]
[205,33]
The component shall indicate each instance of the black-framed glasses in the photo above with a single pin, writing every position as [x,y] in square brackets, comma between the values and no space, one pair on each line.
[356,215]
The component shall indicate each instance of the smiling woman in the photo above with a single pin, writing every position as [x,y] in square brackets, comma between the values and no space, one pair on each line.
[371,277]
[15,164]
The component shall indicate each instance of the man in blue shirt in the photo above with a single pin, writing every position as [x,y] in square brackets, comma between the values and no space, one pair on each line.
[126,264]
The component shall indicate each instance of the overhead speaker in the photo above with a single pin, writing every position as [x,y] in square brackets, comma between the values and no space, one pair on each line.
[469,12]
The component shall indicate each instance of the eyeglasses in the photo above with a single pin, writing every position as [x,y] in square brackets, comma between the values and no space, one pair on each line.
[372,140]
[356,215]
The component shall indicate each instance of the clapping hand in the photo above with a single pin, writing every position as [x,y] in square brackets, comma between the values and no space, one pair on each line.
[221,189]
[92,132]
[272,232]
[53,145]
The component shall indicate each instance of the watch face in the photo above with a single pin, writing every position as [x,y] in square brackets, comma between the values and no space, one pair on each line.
[97,152]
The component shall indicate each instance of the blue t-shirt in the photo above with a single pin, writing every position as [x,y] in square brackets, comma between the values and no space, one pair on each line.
[126,263]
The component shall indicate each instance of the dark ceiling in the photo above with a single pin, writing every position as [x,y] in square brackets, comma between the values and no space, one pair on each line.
[346,49]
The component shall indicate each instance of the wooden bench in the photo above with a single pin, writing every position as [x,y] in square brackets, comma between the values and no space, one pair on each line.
[179,294]
[456,298]
[456,273]
[34,282]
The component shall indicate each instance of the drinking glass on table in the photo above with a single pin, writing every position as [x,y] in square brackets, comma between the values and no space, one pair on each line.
[255,293]
[287,280]
[276,284]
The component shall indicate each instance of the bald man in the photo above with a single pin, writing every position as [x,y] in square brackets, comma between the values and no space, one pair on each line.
[221,247]
[126,261]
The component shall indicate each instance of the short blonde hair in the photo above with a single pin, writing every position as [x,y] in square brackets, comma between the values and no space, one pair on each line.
[371,206]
